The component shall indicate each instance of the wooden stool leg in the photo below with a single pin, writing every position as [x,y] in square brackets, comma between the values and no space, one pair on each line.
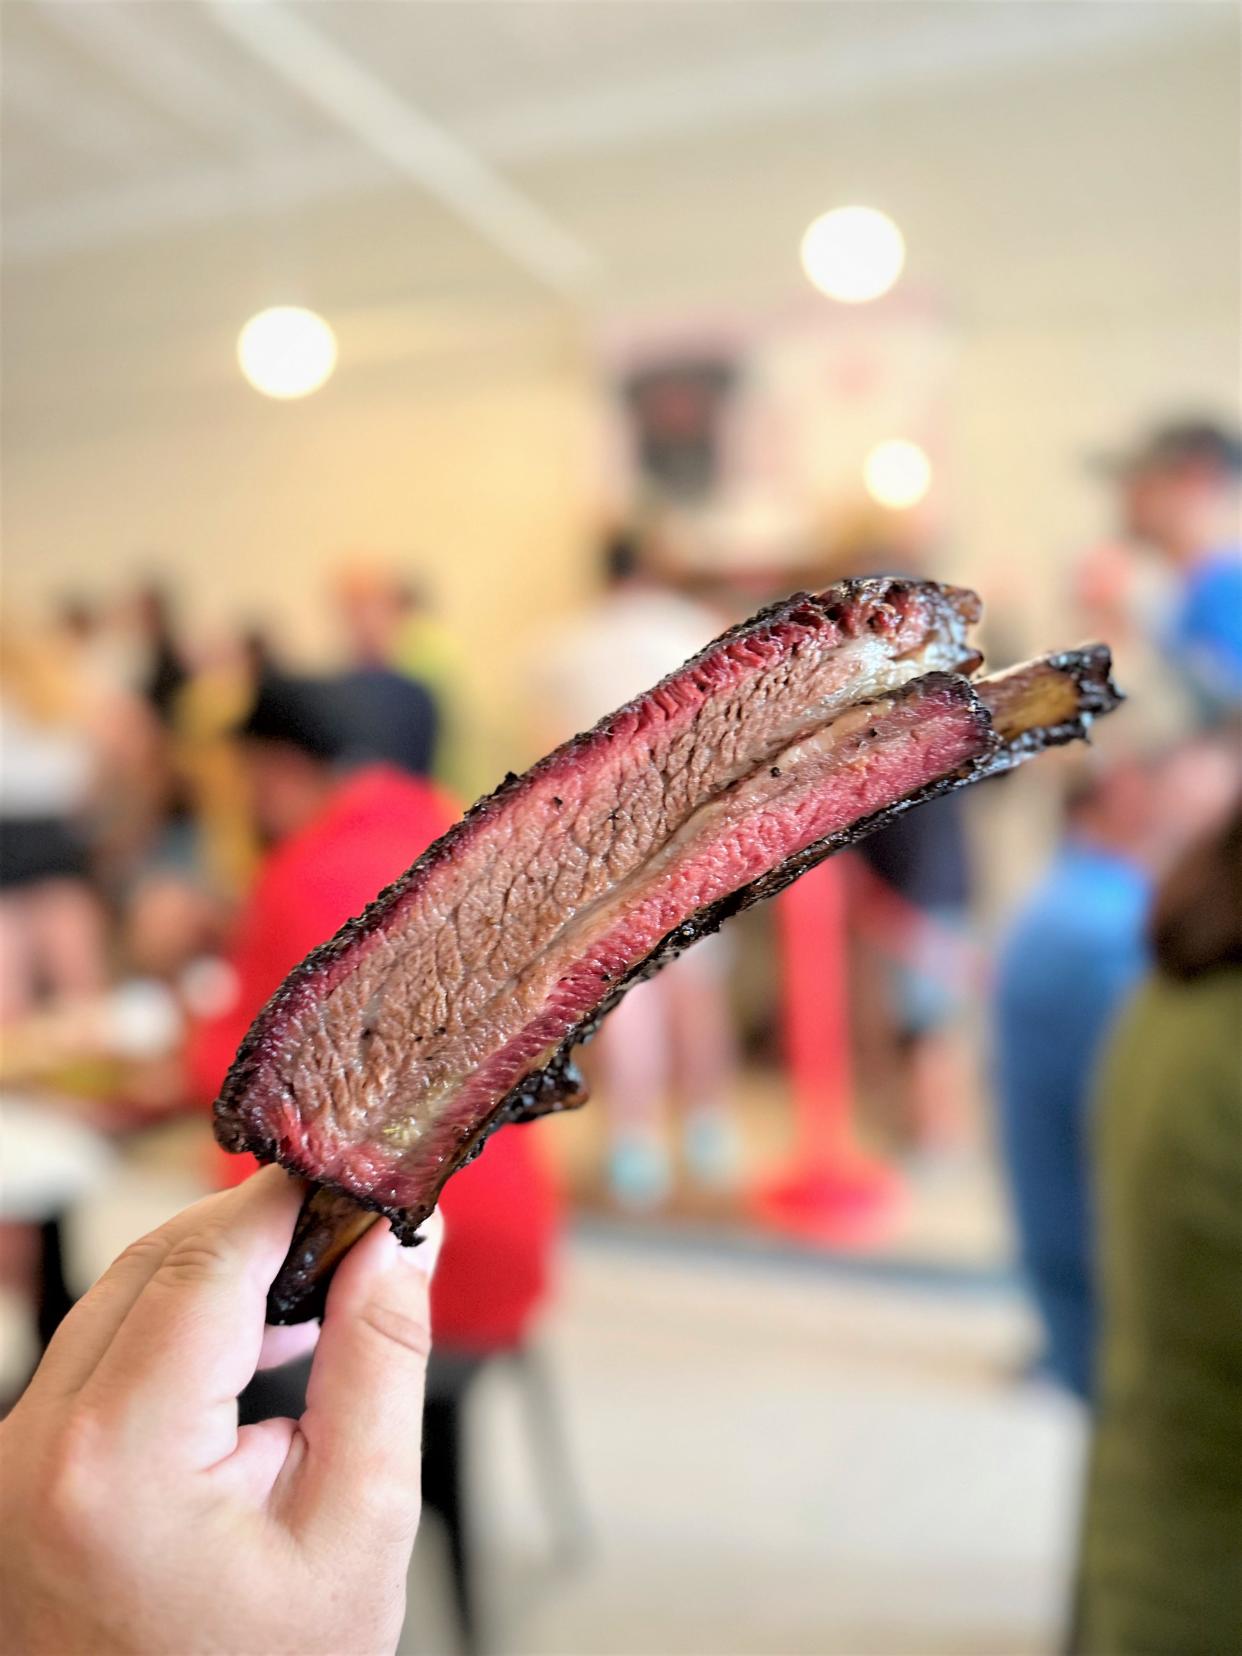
[53,1299]
[554,1471]
[444,1493]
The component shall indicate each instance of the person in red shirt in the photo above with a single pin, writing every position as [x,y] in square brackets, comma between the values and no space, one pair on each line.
[334,840]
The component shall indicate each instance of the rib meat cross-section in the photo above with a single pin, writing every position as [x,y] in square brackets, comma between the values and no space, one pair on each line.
[451,1005]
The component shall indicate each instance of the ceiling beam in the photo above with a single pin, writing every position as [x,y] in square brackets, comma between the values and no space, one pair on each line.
[134,43]
[949,45]
[368,109]
[107,132]
[185,197]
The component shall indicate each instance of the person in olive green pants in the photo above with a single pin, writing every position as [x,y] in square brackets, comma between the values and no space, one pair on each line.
[1161,1566]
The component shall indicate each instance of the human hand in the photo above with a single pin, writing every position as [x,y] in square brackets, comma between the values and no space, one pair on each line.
[136,1516]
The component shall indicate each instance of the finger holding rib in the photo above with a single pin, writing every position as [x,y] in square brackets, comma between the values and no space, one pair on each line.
[168,1382]
[87,1334]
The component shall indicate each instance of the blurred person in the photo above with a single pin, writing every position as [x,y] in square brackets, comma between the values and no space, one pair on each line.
[429,652]
[147,821]
[128,795]
[226,680]
[371,608]
[386,713]
[1161,1561]
[1066,965]
[172,882]
[167,923]
[334,838]
[1181,495]
[98,635]
[915,908]
[914,900]
[163,667]
[673,1036]
[52,923]
[82,625]
[78,617]
[259,653]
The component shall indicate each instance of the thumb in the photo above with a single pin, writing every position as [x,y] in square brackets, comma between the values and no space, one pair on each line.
[356,1458]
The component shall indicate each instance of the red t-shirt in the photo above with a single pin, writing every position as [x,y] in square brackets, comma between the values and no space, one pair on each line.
[501,1211]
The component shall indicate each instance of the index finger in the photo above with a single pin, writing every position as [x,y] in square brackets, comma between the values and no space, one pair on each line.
[91,1324]
[169,1380]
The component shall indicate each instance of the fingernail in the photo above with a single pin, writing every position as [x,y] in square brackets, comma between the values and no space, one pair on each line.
[422,1255]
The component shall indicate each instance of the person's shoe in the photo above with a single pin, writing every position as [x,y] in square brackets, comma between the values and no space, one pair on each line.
[713,1149]
[639,1175]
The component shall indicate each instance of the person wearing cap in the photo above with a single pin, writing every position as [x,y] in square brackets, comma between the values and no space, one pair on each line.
[1181,491]
[335,836]
[393,713]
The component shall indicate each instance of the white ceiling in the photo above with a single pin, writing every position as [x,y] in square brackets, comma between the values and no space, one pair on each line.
[169,167]
[133,117]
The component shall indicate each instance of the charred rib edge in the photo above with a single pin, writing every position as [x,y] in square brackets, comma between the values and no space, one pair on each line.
[849,604]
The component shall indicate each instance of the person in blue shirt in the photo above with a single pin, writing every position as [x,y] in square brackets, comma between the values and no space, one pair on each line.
[1068,962]
[1181,495]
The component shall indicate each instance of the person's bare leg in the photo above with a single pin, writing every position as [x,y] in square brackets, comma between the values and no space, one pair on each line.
[167,922]
[67,934]
[929,987]
[704,1052]
[879,1065]
[633,1049]
[939,1083]
[16,960]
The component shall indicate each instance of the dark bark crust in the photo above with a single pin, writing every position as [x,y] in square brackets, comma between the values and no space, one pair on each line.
[301,1285]
[849,605]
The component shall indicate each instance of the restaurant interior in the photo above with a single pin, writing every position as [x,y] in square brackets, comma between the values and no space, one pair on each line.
[471,366]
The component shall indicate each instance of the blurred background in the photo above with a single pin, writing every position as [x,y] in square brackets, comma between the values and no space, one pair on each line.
[392,389]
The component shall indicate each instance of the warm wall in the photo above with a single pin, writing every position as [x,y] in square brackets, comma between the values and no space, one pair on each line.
[1033,404]
[474,477]
[481,477]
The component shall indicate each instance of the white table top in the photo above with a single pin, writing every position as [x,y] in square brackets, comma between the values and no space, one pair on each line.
[47,1160]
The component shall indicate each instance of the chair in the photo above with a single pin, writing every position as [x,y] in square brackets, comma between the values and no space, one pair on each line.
[451,1379]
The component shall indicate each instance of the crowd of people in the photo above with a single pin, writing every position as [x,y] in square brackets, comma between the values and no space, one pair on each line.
[180,830]
[181,823]
[1117,1035]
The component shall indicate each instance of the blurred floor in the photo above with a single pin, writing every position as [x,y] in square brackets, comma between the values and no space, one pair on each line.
[777,1460]
[951,1213]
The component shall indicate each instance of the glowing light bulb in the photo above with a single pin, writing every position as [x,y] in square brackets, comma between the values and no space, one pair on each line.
[853,253]
[286,351]
[897,474]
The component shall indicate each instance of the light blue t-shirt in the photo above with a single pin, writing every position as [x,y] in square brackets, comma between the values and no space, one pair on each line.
[1067,965]
[1205,638]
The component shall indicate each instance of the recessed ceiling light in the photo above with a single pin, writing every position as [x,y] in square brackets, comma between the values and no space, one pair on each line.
[897,474]
[286,351]
[853,253]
